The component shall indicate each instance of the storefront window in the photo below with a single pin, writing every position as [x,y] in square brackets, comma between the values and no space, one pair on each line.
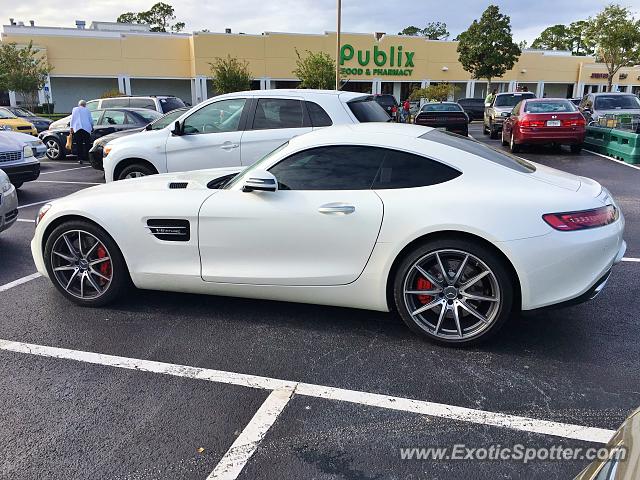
[406,88]
[359,87]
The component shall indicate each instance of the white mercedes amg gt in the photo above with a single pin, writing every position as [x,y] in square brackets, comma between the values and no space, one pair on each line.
[450,233]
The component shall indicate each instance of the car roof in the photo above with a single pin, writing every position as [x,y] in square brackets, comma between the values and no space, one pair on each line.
[296,92]
[365,133]
[515,93]
[529,100]
[597,94]
[441,103]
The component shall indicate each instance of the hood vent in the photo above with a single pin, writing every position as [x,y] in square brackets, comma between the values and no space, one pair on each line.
[175,185]
[170,230]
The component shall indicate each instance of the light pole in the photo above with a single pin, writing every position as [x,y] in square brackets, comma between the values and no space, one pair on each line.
[339,21]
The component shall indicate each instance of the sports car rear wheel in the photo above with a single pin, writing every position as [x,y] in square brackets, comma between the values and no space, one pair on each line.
[85,264]
[453,291]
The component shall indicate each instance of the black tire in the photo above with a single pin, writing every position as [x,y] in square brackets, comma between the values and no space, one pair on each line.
[576,149]
[485,130]
[120,279]
[136,170]
[513,146]
[493,131]
[55,149]
[504,142]
[500,280]
[18,184]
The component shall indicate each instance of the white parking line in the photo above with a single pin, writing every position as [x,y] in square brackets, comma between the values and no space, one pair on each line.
[64,170]
[452,412]
[36,203]
[630,259]
[619,162]
[247,442]
[20,281]
[71,183]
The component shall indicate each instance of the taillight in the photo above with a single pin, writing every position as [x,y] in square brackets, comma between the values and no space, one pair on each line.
[526,123]
[597,217]
[574,122]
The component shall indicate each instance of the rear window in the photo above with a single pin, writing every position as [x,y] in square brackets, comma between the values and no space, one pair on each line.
[474,147]
[552,106]
[406,170]
[386,100]
[442,107]
[115,102]
[171,103]
[366,109]
[510,100]
[319,118]
[142,103]
[616,102]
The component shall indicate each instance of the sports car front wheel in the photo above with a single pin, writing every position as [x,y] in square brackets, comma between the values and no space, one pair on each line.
[453,291]
[85,264]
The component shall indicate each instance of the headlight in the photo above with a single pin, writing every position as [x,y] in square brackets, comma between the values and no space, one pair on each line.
[36,143]
[6,186]
[27,151]
[5,127]
[42,212]
[504,114]
[106,150]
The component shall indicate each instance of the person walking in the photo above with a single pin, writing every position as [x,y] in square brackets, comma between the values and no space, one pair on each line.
[81,128]
[406,107]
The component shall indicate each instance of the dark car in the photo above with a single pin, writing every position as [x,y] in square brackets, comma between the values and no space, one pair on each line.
[387,102]
[40,123]
[445,115]
[96,152]
[105,122]
[473,107]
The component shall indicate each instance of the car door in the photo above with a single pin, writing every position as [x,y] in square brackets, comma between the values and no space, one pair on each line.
[209,137]
[318,228]
[273,122]
[112,121]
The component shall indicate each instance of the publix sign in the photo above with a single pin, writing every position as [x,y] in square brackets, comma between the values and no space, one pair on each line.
[391,62]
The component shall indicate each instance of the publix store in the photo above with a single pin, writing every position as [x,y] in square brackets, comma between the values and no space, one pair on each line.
[89,60]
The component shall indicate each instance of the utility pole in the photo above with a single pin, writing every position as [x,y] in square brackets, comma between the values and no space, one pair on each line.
[339,21]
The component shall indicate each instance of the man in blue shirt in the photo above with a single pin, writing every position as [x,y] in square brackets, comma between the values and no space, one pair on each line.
[81,128]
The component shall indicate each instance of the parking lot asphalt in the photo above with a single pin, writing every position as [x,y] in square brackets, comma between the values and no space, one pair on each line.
[72,414]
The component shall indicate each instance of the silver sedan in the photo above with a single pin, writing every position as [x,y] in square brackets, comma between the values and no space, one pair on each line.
[8,202]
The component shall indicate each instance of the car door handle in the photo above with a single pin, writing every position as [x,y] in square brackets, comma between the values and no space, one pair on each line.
[229,146]
[337,209]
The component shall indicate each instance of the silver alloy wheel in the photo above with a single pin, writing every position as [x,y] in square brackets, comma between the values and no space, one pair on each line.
[134,175]
[81,264]
[452,294]
[53,149]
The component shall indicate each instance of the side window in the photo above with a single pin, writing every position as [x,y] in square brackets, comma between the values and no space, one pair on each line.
[92,105]
[319,118]
[407,170]
[277,113]
[329,168]
[221,116]
[114,117]
[115,102]
[95,116]
[142,103]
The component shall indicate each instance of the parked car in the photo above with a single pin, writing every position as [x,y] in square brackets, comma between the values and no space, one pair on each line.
[40,123]
[306,224]
[8,200]
[95,154]
[544,121]
[159,103]
[104,122]
[388,102]
[498,110]
[17,159]
[11,122]
[446,115]
[235,129]
[596,105]
[474,107]
[38,147]
[623,458]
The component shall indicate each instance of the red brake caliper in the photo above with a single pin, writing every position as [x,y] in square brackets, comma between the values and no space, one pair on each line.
[424,284]
[104,267]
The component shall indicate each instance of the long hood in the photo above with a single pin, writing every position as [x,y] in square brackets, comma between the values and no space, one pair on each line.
[10,141]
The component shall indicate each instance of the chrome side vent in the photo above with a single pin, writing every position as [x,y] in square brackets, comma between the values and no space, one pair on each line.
[170,230]
[174,185]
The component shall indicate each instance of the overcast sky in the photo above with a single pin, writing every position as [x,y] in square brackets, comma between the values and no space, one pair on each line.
[528,18]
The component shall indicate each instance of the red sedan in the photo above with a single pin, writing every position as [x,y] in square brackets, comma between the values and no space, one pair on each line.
[544,121]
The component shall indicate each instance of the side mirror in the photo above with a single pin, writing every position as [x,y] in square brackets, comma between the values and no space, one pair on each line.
[177,128]
[148,126]
[261,181]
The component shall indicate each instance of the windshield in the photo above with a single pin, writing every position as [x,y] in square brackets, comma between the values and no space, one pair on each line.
[442,107]
[149,115]
[168,119]
[171,103]
[259,165]
[22,112]
[6,114]
[551,106]
[511,99]
[616,102]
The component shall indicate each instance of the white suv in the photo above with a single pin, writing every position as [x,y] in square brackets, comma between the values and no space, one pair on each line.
[235,129]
